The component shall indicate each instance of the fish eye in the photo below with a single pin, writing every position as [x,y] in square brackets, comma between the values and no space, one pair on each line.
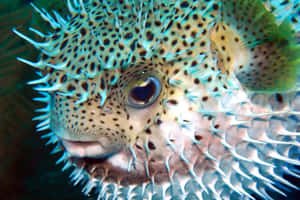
[145,93]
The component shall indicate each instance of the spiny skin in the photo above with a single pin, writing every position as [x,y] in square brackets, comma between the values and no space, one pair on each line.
[225,122]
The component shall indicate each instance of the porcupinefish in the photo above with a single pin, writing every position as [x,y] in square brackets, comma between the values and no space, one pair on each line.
[172,99]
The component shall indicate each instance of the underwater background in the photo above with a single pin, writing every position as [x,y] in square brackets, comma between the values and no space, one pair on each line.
[27,170]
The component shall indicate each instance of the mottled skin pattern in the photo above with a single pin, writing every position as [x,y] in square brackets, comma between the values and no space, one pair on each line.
[218,129]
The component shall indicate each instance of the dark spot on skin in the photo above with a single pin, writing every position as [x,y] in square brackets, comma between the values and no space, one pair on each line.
[139,147]
[85,86]
[198,137]
[148,131]
[149,35]
[174,42]
[71,88]
[63,45]
[151,145]
[184,4]
[279,98]
[143,53]
[157,23]
[215,6]
[63,78]
[172,102]
[217,126]
[158,122]
[106,42]
[128,35]
[148,24]
[195,16]
[83,31]
[194,63]
[205,98]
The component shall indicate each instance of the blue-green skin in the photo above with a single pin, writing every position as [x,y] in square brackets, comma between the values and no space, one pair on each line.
[210,134]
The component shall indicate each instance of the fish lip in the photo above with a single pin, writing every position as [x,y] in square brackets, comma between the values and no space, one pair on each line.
[88,149]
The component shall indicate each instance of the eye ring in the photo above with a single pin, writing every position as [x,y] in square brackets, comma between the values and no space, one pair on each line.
[145,94]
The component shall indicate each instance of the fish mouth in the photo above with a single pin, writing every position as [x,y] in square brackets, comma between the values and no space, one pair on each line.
[89,149]
[111,164]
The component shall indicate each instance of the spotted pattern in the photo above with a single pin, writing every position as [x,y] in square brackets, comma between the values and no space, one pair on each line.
[225,123]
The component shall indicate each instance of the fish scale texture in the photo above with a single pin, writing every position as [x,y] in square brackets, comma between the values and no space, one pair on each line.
[172,99]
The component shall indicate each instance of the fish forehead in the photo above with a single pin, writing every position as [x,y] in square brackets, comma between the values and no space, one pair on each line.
[101,47]
[205,126]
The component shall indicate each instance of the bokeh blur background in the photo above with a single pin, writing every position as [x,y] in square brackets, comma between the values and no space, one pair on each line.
[27,170]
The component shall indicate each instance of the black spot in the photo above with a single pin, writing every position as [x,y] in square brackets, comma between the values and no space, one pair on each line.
[158,122]
[111,50]
[200,25]
[202,44]
[83,31]
[71,88]
[187,27]
[78,71]
[63,45]
[151,145]
[279,98]
[106,42]
[139,147]
[169,25]
[198,137]
[133,45]
[161,51]
[143,53]
[178,25]
[45,56]
[205,98]
[217,126]
[128,35]
[193,34]
[215,6]
[121,46]
[174,42]
[148,131]
[148,24]
[149,35]
[157,23]
[85,86]
[184,4]
[195,16]
[63,78]
[102,84]
[172,102]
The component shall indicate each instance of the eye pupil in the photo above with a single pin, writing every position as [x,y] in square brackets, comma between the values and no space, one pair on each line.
[144,95]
